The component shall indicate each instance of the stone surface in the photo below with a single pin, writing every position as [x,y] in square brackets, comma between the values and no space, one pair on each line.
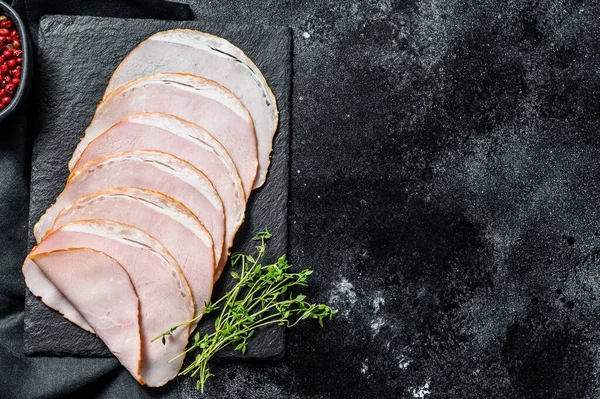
[445,163]
[70,92]
[444,187]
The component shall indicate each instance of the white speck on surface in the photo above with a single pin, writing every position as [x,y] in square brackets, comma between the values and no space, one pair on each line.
[385,6]
[363,367]
[378,301]
[298,171]
[318,196]
[306,35]
[343,296]
[301,98]
[376,325]
[403,363]
[422,391]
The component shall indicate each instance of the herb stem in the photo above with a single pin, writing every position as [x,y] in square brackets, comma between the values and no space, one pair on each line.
[255,301]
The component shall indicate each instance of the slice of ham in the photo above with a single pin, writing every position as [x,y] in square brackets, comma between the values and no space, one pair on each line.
[151,170]
[164,294]
[101,290]
[214,58]
[189,97]
[164,219]
[187,141]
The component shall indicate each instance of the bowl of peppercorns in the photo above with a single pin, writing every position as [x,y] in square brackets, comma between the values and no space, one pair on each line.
[15,61]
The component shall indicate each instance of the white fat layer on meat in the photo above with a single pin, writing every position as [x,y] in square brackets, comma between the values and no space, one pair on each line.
[173,126]
[199,86]
[168,163]
[157,201]
[218,47]
[195,134]
[188,131]
[129,236]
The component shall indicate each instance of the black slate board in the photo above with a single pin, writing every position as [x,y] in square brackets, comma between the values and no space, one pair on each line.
[77,56]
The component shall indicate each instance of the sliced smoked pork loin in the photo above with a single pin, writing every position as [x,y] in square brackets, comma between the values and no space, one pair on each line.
[191,98]
[164,295]
[187,141]
[164,219]
[157,192]
[151,170]
[101,290]
[212,57]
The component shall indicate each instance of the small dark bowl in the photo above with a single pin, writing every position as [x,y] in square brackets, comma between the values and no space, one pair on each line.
[23,88]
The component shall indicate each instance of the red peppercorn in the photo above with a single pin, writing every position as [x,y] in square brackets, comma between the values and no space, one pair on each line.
[11,58]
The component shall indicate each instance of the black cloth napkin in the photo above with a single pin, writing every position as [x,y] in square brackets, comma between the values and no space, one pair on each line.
[43,377]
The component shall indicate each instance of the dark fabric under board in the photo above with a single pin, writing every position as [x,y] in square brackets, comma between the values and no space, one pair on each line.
[77,56]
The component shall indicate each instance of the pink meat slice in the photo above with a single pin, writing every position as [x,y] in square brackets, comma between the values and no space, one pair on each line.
[164,295]
[164,219]
[189,97]
[187,141]
[151,170]
[202,54]
[101,290]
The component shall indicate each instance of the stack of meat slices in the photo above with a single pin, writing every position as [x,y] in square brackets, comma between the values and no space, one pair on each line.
[157,192]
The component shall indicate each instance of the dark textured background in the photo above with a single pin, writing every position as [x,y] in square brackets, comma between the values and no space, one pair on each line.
[445,163]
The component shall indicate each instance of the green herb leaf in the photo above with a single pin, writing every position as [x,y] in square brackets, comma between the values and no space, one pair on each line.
[255,301]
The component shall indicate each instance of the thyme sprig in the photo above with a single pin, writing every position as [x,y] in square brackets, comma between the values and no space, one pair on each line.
[262,296]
